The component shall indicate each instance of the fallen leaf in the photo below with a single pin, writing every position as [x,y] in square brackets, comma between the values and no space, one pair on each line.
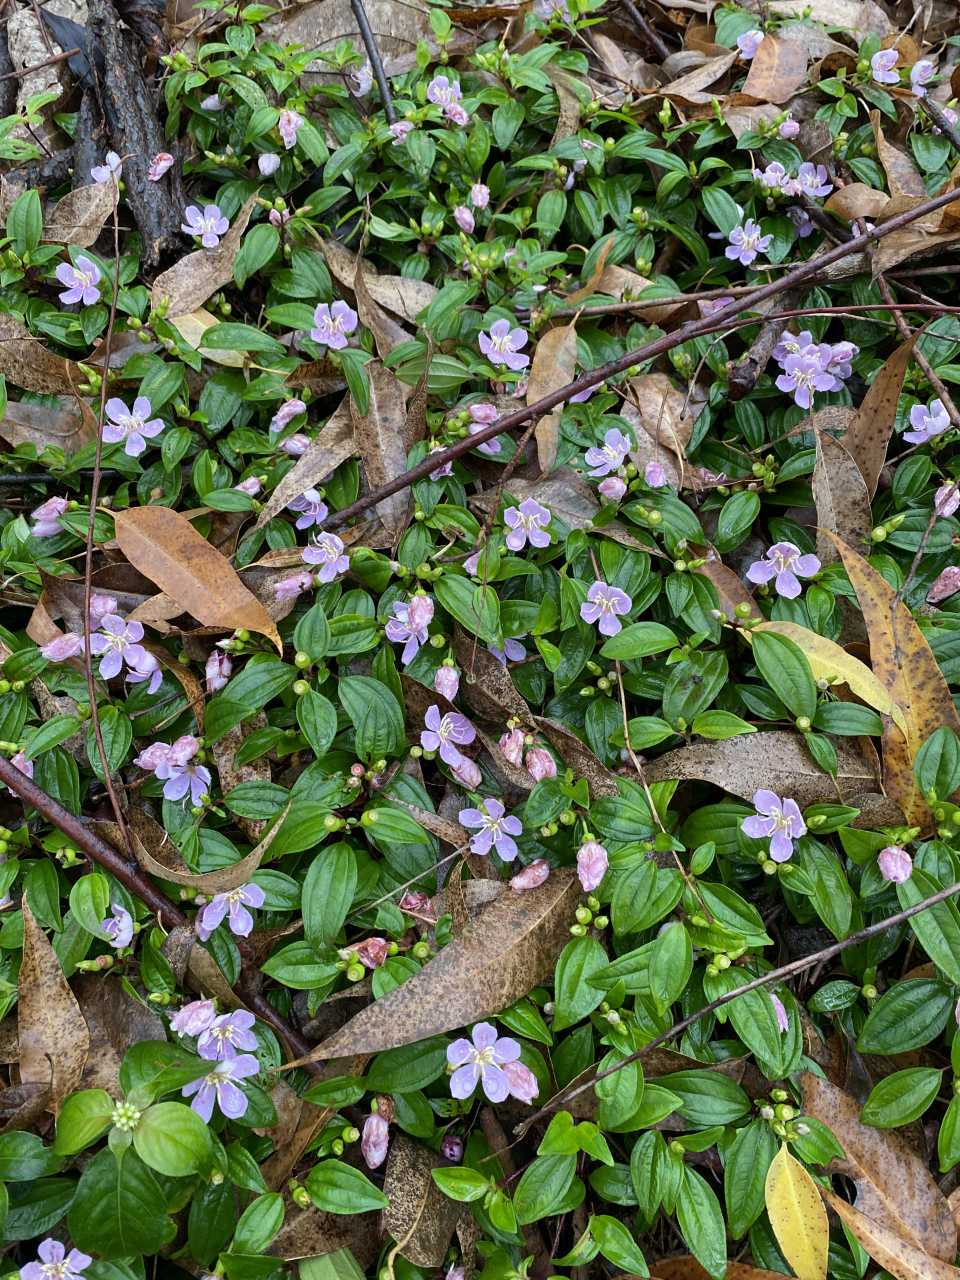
[415,427]
[379,436]
[852,15]
[421,1219]
[192,966]
[888,1246]
[777,70]
[624,285]
[78,217]
[730,588]
[778,761]
[689,88]
[688,1268]
[492,695]
[115,1021]
[568,117]
[741,119]
[170,552]
[191,685]
[577,756]
[277,1169]
[403,296]
[52,1032]
[507,952]
[386,332]
[869,430]
[514,780]
[224,752]
[192,327]
[307,1233]
[191,281]
[857,200]
[840,492]
[320,376]
[223,880]
[565,493]
[25,362]
[40,426]
[449,832]
[903,176]
[797,1216]
[288,1105]
[554,362]
[334,445]
[908,51]
[667,414]
[588,290]
[22,1107]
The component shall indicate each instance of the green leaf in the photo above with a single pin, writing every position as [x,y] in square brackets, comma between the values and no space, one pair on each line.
[938,927]
[119,1210]
[701,1222]
[719,725]
[25,223]
[83,1118]
[409,1067]
[375,714]
[172,1139]
[574,999]
[51,734]
[671,963]
[902,1097]
[543,1186]
[639,640]
[937,763]
[90,904]
[461,1184]
[258,1224]
[116,729]
[618,1246]
[707,1097]
[908,1016]
[336,1187]
[461,598]
[328,891]
[736,518]
[786,670]
[745,1172]
[41,887]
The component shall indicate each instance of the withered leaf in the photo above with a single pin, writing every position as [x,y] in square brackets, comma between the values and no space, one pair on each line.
[773,760]
[585,291]
[502,956]
[840,492]
[777,70]
[387,333]
[51,1027]
[456,903]
[25,362]
[554,362]
[420,1218]
[191,281]
[379,436]
[690,88]
[288,1105]
[903,176]
[320,376]
[730,588]
[568,117]
[442,828]
[280,1165]
[688,1268]
[565,493]
[170,552]
[78,217]
[306,1233]
[193,326]
[888,1246]
[39,425]
[224,753]
[418,699]
[857,200]
[493,695]
[578,757]
[869,430]
[404,297]
[23,1106]
[667,414]
[223,880]
[115,1021]
[515,781]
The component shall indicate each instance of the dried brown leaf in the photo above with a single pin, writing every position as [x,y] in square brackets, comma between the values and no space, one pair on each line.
[192,327]
[320,376]
[404,297]
[554,362]
[40,426]
[578,757]
[449,832]
[888,1246]
[507,952]
[288,1105]
[191,281]
[667,415]
[78,217]
[590,288]
[513,779]
[568,118]
[869,430]
[334,445]
[170,552]
[115,1021]
[277,1169]
[777,70]
[688,1268]
[224,751]
[840,492]
[421,1219]
[223,880]
[853,15]
[52,1031]
[306,1233]
[903,176]
[690,88]
[493,695]
[730,588]
[387,333]
[25,362]
[857,200]
[456,903]
[379,436]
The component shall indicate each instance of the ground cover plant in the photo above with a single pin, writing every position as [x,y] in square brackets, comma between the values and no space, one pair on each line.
[478,625]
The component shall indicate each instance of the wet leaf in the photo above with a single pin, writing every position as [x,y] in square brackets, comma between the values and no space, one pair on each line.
[839,490]
[777,70]
[554,362]
[191,281]
[334,444]
[421,1219]
[493,695]
[869,430]
[405,297]
[379,436]
[797,1216]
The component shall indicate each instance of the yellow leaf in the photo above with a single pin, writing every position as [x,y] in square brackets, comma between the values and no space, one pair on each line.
[829,662]
[797,1216]
[192,327]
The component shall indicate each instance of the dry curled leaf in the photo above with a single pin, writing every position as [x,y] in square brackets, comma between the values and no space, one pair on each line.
[777,70]
[869,430]
[888,1246]
[840,492]
[25,361]
[379,436]
[568,117]
[404,297]
[334,444]
[690,88]
[554,362]
[40,426]
[421,1219]
[857,200]
[587,290]
[578,757]
[223,880]
[191,281]
[78,217]
[797,1216]
[170,552]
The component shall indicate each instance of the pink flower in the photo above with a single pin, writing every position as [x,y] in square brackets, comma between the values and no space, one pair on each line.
[326,550]
[479,195]
[613,488]
[446,682]
[591,865]
[511,744]
[502,345]
[604,603]
[217,671]
[531,877]
[467,773]
[784,562]
[312,508]
[375,1140]
[131,426]
[289,410]
[211,102]
[194,1018]
[297,445]
[947,584]
[489,414]
[495,829]
[119,642]
[714,304]
[783,1022]
[418,904]
[803,376]
[268,163]
[154,755]
[883,64]
[655,475]
[482,1061]
[928,423]
[446,468]
[521,1081]
[540,764]
[610,455]
[47,525]
[226,1034]
[57,1264]
[219,1087]
[838,362]
[63,647]
[81,281]
[119,926]
[290,122]
[251,486]
[161,162]
[363,77]
[781,820]
[748,43]
[20,761]
[472,563]
[441,734]
[235,902]
[453,111]
[291,588]
[409,626]
[400,131]
[895,864]
[451,1148]
[111,168]
[278,217]
[180,775]
[333,324]
[100,606]
[143,668]
[788,128]
[746,242]
[372,952]
[209,226]
[947,499]
[951,118]
[529,520]
[464,218]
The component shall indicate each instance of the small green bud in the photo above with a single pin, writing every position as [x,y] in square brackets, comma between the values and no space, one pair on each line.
[584,915]
[355,972]
[578,930]
[302,660]
[300,687]
[421,951]
[869,992]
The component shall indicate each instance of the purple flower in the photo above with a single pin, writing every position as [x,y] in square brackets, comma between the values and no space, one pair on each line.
[159,165]
[495,829]
[945,501]
[312,506]
[57,1264]
[194,1018]
[111,168]
[209,226]
[467,773]
[363,78]
[479,195]
[100,606]
[489,447]
[838,362]
[219,1087]
[81,281]
[212,102]
[333,324]
[583,396]
[655,475]
[883,64]
[289,410]
[63,647]
[297,445]
[47,524]
[613,488]
[802,222]
[372,952]
[226,1034]
[775,175]
[800,344]
[464,218]
[472,563]
[746,242]
[529,520]
[217,671]
[236,902]
[268,163]
[278,218]
[445,469]
[895,864]
[400,131]
[291,588]
[375,1140]
[453,111]
[610,455]
[451,1148]
[531,877]
[783,1022]
[481,1062]
[153,755]
[290,122]
[512,651]
[803,376]
[119,926]
[604,603]
[591,865]
[748,43]
[811,180]
[446,681]
[326,550]
[440,734]
[502,345]
[131,426]
[781,820]
[784,562]
[788,128]
[920,74]
[929,422]
[19,761]
[119,642]
[441,91]
[180,775]
[409,626]
[714,304]
[145,668]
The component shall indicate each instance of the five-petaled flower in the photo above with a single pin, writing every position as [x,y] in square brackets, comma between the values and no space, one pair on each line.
[209,225]
[235,902]
[226,1034]
[602,604]
[784,562]
[118,642]
[179,772]
[927,422]
[131,425]
[781,820]
[81,281]
[409,625]
[326,550]
[219,1087]
[610,455]
[749,42]
[56,1263]
[112,167]
[496,829]
[882,64]
[312,508]
[482,1062]
[119,926]
[803,376]
[529,520]
[333,324]
[746,242]
[443,732]
[502,345]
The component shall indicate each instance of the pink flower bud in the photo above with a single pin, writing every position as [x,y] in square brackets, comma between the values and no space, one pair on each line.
[464,218]
[511,745]
[613,488]
[268,163]
[655,475]
[183,750]
[523,1083]
[446,682]
[372,952]
[217,671]
[895,864]
[194,1018]
[419,612]
[540,764]
[530,877]
[418,904]
[159,165]
[467,773]
[591,865]
[375,1140]
[63,647]
[945,585]
[452,1148]
[155,754]
[783,1022]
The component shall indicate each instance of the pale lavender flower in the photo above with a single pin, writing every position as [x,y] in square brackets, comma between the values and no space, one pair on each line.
[928,422]
[56,1263]
[278,217]
[409,626]
[788,128]
[375,1140]
[784,562]
[512,744]
[883,64]
[472,563]
[775,175]
[946,499]
[145,668]
[529,520]
[582,396]
[502,344]
[333,324]
[495,829]
[119,926]
[442,733]
[803,376]
[268,163]
[531,877]
[800,344]
[545,10]
[100,606]
[209,226]
[467,773]
[479,195]
[445,469]
[363,78]
[159,165]
[296,445]
[63,647]
[291,588]
[111,168]
[131,425]
[540,764]
[441,91]
[714,304]
[251,486]
[400,131]
[512,651]
[577,167]
[945,585]
[81,281]
[839,362]
[180,774]
[326,550]
[290,122]
[482,1062]
[47,525]
[226,1034]
[119,642]
[521,1081]
[803,223]
[811,180]
[655,475]
[783,1022]
[211,102]
[289,410]
[453,111]
[610,455]
[235,902]
[219,1087]
[592,865]
[217,671]
[451,1148]
[20,761]
[464,218]
[603,603]
[920,74]
[312,508]
[746,242]
[194,1018]
[952,118]
[481,416]
[895,864]
[613,488]
[748,43]
[781,820]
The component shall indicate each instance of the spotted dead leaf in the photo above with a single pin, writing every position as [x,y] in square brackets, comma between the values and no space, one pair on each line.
[421,1219]
[25,361]
[887,1245]
[492,695]
[797,1216]
[307,1233]
[39,425]
[379,436]
[903,176]
[666,413]
[578,757]
[554,362]
[502,956]
[857,200]
[869,430]
[688,1268]
[170,552]
[449,832]
[568,117]
[624,285]
[777,70]
[690,88]
[386,332]
[52,1031]
[335,444]
[513,779]
[78,217]
[840,492]
[115,1021]
[192,280]
[405,297]
[730,588]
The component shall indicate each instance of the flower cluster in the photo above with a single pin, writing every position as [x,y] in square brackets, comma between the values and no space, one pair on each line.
[174,764]
[810,366]
[116,640]
[811,180]
[448,95]
[409,625]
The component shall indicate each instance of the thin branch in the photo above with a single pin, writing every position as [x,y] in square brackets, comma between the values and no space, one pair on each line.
[936,114]
[373,53]
[28,71]
[646,29]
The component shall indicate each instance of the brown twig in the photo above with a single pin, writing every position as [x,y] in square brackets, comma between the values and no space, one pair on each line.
[744,374]
[373,53]
[936,114]
[28,71]
[646,29]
